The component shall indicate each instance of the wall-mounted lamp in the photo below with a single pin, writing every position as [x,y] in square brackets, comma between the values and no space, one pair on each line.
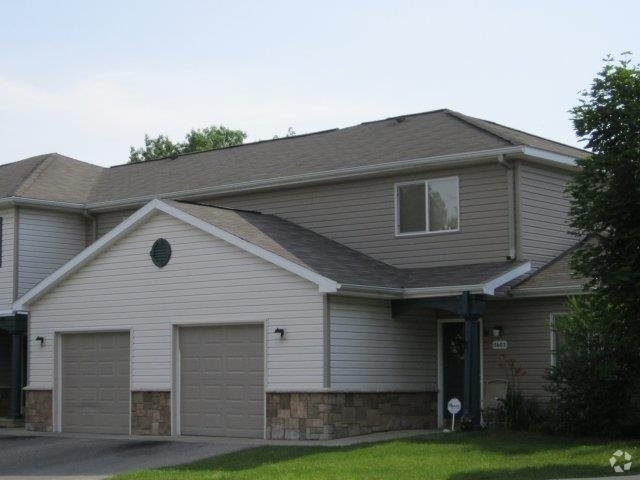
[280,331]
[41,340]
[497,331]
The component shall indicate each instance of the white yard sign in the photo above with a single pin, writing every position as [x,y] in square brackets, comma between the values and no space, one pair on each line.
[453,406]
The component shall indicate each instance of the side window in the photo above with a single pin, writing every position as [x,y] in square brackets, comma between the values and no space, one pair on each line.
[427,206]
[556,338]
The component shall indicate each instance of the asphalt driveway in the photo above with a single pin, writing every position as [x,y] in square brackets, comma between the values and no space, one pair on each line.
[56,456]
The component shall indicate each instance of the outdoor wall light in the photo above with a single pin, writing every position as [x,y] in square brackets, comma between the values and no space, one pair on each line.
[280,331]
[41,340]
[497,331]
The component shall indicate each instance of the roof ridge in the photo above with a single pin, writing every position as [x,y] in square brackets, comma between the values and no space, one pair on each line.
[228,147]
[473,122]
[292,137]
[532,135]
[31,177]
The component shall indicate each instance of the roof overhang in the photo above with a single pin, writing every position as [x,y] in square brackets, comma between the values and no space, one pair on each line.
[555,291]
[453,160]
[439,161]
[325,285]
[488,287]
[42,203]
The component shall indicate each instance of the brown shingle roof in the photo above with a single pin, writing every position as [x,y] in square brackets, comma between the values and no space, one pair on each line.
[49,177]
[557,274]
[332,259]
[436,133]
[423,135]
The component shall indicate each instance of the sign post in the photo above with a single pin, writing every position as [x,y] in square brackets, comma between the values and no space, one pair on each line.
[453,407]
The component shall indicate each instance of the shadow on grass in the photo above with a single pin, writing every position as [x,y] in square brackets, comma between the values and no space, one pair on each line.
[502,443]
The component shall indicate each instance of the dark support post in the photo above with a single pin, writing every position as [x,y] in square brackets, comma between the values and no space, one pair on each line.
[16,374]
[471,308]
[471,410]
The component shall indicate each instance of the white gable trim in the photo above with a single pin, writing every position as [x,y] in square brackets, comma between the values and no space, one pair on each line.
[489,288]
[325,285]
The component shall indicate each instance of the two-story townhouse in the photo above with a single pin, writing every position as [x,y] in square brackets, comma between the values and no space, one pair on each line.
[317,286]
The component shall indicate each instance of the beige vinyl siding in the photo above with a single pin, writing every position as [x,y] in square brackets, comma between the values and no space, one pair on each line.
[544,214]
[47,239]
[207,281]
[109,220]
[526,325]
[6,270]
[371,351]
[361,215]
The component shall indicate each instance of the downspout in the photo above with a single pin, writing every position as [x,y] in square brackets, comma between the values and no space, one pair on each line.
[16,252]
[91,234]
[511,207]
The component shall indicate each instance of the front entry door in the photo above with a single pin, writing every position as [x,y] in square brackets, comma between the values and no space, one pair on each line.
[453,347]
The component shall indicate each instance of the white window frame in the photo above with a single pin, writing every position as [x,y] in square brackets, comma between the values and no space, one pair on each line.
[553,337]
[426,199]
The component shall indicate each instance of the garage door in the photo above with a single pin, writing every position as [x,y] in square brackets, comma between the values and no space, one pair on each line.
[95,383]
[221,379]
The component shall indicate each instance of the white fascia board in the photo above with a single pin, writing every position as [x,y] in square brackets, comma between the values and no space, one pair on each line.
[553,157]
[7,313]
[559,291]
[489,288]
[452,160]
[38,202]
[325,285]
[84,256]
[370,291]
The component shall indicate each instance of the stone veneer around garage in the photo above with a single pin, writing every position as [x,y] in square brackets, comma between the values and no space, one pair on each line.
[38,411]
[151,413]
[322,416]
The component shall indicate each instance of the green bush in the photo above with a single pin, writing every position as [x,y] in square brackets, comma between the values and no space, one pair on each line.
[595,381]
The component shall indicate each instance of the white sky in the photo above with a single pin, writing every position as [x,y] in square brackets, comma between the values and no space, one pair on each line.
[88,81]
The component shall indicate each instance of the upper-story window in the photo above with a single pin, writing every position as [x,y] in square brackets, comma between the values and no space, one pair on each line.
[427,206]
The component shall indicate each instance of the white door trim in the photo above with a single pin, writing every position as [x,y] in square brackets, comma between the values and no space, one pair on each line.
[441,321]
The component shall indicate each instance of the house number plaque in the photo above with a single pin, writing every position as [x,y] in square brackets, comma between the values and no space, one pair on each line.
[499,345]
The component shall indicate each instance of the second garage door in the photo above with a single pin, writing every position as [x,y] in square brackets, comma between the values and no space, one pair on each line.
[222,381]
[95,383]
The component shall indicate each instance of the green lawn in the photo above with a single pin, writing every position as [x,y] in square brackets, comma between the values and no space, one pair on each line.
[471,456]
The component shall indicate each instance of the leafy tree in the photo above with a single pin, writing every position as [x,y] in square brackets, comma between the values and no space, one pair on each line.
[208,138]
[158,147]
[597,378]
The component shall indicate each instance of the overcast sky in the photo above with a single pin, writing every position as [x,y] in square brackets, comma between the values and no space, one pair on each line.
[89,79]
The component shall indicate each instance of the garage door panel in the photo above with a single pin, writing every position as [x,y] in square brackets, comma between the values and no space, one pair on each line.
[222,376]
[95,383]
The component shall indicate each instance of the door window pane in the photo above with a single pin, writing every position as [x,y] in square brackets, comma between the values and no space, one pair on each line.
[411,208]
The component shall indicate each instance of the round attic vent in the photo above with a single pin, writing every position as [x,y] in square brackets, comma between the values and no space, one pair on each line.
[160,252]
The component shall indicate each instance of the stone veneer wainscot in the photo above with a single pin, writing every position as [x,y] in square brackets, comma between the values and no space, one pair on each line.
[322,416]
[151,413]
[38,411]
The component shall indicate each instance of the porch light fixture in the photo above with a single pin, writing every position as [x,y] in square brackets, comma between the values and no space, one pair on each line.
[280,331]
[497,331]
[41,340]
